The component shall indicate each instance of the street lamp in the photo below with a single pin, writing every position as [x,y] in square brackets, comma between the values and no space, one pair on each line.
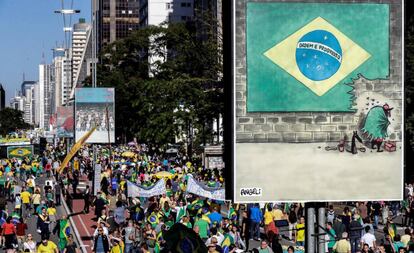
[67,11]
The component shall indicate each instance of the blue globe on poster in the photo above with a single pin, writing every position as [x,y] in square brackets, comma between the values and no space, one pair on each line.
[318,55]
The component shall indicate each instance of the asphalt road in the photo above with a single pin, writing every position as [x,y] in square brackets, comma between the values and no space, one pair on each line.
[32,220]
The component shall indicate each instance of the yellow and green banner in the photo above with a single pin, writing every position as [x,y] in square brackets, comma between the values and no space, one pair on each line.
[75,148]
[305,56]
[19,151]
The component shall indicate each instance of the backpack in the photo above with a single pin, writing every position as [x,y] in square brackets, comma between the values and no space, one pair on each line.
[330,216]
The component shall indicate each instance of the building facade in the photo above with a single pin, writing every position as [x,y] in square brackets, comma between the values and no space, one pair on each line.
[156,12]
[17,102]
[116,20]
[80,38]
[62,76]
[45,94]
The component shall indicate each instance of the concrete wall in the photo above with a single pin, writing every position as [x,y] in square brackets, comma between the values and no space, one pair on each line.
[314,126]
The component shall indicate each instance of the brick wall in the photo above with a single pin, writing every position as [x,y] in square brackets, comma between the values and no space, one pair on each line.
[314,126]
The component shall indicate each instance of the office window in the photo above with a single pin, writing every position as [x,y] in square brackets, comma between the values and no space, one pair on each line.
[185,4]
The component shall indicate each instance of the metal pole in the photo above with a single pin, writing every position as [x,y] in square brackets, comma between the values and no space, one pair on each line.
[109,136]
[310,230]
[321,223]
[93,167]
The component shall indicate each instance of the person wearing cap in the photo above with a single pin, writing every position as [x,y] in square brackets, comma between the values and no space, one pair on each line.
[47,246]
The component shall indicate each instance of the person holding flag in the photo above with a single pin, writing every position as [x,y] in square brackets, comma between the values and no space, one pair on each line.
[63,229]
[181,211]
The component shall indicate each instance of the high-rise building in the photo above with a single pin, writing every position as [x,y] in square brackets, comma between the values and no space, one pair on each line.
[80,38]
[18,101]
[156,12]
[62,77]
[210,12]
[2,97]
[116,20]
[29,108]
[25,84]
[45,94]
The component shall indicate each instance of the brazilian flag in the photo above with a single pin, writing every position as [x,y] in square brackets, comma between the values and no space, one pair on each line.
[181,239]
[64,232]
[19,151]
[232,215]
[153,219]
[304,56]
[181,213]
[227,241]
[159,239]
[196,205]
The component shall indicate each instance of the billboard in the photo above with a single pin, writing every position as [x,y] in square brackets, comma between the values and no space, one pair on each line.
[10,141]
[318,101]
[65,122]
[95,107]
[19,151]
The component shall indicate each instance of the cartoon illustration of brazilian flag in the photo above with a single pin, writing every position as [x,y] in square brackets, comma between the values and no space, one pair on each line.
[305,56]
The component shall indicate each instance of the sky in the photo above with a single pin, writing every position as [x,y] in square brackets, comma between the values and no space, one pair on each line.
[28,30]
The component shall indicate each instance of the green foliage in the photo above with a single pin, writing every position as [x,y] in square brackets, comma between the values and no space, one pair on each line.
[180,90]
[409,87]
[11,120]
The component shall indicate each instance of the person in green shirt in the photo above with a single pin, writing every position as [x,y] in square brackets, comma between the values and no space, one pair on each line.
[2,184]
[397,243]
[203,227]
[330,236]
[264,247]
[186,222]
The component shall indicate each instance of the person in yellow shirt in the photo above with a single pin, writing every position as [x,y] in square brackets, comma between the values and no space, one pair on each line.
[51,211]
[300,232]
[117,245]
[277,213]
[47,247]
[267,218]
[25,196]
[343,245]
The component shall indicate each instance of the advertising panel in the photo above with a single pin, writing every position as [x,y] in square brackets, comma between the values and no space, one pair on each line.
[65,122]
[11,141]
[95,107]
[318,101]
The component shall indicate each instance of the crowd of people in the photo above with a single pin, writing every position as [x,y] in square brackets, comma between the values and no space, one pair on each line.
[371,227]
[32,191]
[136,224]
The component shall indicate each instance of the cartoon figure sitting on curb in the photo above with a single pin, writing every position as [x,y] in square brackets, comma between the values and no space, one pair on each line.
[376,124]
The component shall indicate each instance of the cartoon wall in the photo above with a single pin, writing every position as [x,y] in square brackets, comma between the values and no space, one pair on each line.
[272,105]
[324,74]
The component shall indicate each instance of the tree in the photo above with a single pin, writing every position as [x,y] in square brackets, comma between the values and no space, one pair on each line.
[183,92]
[409,91]
[11,120]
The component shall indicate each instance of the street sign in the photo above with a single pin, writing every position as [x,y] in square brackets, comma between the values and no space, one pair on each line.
[97,179]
